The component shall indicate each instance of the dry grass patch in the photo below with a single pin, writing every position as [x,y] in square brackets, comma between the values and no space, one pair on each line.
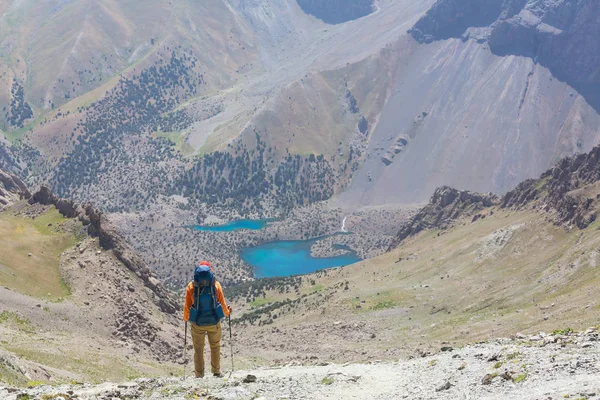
[29,254]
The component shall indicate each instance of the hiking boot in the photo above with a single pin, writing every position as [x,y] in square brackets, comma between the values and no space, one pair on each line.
[218,375]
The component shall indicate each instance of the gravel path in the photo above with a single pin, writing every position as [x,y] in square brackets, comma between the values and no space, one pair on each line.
[538,367]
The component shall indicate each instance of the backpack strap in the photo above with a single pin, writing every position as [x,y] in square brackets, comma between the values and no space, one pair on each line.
[214,296]
[197,301]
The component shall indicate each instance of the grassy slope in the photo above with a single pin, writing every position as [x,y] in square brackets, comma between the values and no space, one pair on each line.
[479,289]
[36,275]
[459,286]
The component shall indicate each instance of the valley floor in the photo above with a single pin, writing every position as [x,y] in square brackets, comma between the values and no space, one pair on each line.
[526,367]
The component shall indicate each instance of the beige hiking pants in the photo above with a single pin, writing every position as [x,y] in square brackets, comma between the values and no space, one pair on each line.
[214,341]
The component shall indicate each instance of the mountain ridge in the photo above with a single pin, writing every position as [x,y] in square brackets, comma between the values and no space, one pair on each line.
[568,189]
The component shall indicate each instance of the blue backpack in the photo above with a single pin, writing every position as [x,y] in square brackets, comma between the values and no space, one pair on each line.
[206,310]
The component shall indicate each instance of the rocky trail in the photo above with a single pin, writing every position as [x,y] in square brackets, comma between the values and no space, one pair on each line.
[545,366]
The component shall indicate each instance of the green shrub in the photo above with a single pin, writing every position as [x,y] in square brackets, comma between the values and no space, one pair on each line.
[566,331]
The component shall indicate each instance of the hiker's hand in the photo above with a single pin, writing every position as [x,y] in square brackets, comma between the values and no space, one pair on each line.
[230,309]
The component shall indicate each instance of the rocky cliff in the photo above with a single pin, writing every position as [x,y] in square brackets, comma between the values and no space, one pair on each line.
[11,189]
[561,35]
[446,205]
[570,190]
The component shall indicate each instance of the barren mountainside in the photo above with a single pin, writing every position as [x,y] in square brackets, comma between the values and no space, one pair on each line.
[560,35]
[495,93]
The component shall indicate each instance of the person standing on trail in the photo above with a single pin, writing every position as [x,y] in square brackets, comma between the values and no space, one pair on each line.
[204,307]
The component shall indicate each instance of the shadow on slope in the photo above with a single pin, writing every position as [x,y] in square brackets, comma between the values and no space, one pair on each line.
[337,11]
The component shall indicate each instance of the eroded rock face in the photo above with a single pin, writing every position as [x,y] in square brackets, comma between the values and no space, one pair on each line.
[571,190]
[561,35]
[446,205]
[11,189]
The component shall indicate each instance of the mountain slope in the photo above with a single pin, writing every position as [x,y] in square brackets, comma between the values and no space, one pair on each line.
[229,92]
[65,49]
[474,111]
[77,302]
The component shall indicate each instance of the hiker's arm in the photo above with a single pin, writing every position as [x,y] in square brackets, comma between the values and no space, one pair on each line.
[221,299]
[189,300]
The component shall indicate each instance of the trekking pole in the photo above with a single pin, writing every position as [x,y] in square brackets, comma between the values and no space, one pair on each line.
[230,343]
[184,350]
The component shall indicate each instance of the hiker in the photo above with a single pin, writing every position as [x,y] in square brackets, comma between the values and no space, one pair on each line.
[204,307]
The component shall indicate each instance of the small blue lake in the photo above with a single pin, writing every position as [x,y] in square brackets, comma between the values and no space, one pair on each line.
[249,224]
[291,257]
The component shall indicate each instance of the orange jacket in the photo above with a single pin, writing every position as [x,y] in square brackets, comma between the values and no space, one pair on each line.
[189,300]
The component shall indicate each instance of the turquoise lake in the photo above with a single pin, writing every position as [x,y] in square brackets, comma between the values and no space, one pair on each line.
[291,257]
[249,224]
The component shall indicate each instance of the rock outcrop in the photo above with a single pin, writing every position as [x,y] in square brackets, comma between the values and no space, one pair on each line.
[561,35]
[110,239]
[570,190]
[451,18]
[11,189]
[446,205]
